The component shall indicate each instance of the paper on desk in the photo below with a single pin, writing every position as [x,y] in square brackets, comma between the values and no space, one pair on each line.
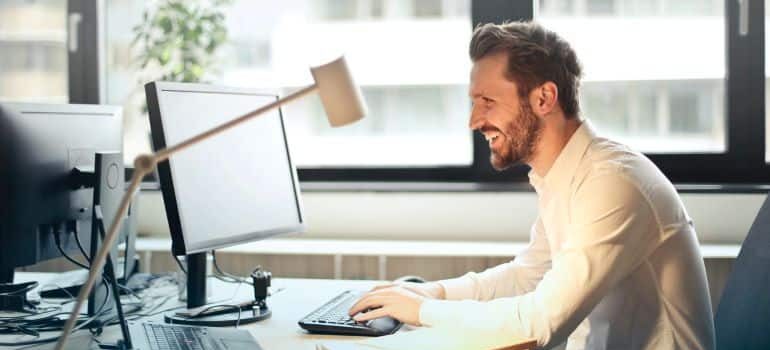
[445,338]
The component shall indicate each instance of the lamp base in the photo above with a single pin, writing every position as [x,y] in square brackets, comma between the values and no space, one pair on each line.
[223,318]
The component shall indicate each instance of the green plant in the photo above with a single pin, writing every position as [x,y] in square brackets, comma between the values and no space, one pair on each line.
[178,40]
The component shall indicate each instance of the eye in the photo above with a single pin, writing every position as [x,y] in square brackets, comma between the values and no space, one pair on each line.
[487,100]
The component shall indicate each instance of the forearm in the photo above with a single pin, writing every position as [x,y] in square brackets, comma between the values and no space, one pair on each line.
[505,280]
[435,290]
[549,313]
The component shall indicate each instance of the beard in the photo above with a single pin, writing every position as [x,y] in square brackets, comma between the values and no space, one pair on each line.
[521,136]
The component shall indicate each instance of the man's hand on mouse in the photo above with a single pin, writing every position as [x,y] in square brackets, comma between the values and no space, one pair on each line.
[401,301]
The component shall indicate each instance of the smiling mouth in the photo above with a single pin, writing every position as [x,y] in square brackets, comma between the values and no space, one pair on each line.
[491,137]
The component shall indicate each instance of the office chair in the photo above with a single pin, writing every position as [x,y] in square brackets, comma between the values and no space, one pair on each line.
[743,315]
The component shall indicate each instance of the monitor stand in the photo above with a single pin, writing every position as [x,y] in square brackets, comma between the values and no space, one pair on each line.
[225,315]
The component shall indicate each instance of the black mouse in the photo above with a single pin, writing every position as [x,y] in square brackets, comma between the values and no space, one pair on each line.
[410,278]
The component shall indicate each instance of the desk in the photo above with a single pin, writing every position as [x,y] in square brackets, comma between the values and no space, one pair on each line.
[297,298]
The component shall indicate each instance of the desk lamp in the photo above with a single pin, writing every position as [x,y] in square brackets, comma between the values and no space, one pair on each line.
[341,100]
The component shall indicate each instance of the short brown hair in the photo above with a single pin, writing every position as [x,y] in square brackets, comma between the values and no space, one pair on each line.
[535,55]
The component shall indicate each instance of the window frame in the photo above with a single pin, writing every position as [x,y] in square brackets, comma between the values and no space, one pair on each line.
[86,60]
[743,163]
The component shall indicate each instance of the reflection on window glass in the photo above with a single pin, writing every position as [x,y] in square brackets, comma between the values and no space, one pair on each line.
[409,56]
[641,85]
[33,55]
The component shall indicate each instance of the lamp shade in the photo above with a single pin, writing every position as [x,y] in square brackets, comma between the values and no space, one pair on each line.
[340,96]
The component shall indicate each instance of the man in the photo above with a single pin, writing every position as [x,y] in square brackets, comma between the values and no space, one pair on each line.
[613,259]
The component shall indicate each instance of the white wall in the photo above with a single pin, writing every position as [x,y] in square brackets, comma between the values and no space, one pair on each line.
[719,218]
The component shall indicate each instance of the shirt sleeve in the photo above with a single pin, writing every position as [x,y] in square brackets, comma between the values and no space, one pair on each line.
[612,229]
[516,277]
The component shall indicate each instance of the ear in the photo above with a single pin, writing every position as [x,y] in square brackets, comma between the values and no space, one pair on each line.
[544,99]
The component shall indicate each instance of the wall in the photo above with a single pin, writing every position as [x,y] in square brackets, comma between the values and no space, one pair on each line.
[472,216]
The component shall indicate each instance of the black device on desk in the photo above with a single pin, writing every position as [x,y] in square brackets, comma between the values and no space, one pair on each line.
[159,336]
[333,318]
[48,181]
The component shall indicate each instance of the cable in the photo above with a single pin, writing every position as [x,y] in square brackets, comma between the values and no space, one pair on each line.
[49,284]
[28,286]
[88,259]
[161,298]
[181,267]
[223,276]
[154,310]
[129,290]
[227,306]
[57,239]
[82,325]
[50,339]
[80,246]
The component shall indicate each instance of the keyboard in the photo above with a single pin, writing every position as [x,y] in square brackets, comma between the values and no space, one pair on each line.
[159,336]
[332,318]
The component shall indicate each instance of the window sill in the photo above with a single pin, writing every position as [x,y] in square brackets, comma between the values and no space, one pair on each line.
[460,187]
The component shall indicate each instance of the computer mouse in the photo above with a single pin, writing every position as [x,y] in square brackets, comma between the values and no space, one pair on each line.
[410,278]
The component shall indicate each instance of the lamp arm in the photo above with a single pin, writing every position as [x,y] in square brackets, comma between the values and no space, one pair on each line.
[144,165]
[168,151]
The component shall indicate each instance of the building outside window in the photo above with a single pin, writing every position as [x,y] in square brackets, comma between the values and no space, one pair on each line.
[33,52]
[654,71]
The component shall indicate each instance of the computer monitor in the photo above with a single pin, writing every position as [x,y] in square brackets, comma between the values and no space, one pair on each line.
[233,189]
[40,145]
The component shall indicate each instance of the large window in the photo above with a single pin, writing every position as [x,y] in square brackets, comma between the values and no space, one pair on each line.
[409,56]
[683,81]
[33,52]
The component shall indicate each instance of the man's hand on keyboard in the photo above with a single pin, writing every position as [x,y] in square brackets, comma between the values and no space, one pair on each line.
[395,301]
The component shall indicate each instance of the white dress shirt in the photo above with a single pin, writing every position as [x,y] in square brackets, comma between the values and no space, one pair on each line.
[612,263]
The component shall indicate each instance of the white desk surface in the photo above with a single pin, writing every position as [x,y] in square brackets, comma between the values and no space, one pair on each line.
[298,298]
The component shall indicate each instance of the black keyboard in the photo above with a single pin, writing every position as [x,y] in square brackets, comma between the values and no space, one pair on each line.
[168,337]
[332,318]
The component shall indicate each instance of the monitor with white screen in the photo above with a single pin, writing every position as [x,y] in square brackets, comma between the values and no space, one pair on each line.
[235,188]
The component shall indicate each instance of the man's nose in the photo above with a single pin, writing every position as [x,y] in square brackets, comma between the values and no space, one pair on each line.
[476,120]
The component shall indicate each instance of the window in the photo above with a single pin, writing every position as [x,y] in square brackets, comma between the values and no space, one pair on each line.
[409,57]
[654,76]
[690,92]
[33,55]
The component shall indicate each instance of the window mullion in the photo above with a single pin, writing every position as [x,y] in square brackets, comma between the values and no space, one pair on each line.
[745,87]
[84,63]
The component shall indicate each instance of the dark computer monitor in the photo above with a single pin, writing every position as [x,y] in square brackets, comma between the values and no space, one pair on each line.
[48,177]
[40,145]
[235,188]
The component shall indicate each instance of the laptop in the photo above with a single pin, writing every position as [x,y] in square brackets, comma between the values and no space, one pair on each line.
[161,336]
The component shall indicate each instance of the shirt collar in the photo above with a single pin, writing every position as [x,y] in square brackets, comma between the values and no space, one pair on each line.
[563,169]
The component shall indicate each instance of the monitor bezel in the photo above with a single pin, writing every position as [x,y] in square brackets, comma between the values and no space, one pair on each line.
[179,244]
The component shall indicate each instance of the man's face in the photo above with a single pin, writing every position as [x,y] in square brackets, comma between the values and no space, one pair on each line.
[507,121]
